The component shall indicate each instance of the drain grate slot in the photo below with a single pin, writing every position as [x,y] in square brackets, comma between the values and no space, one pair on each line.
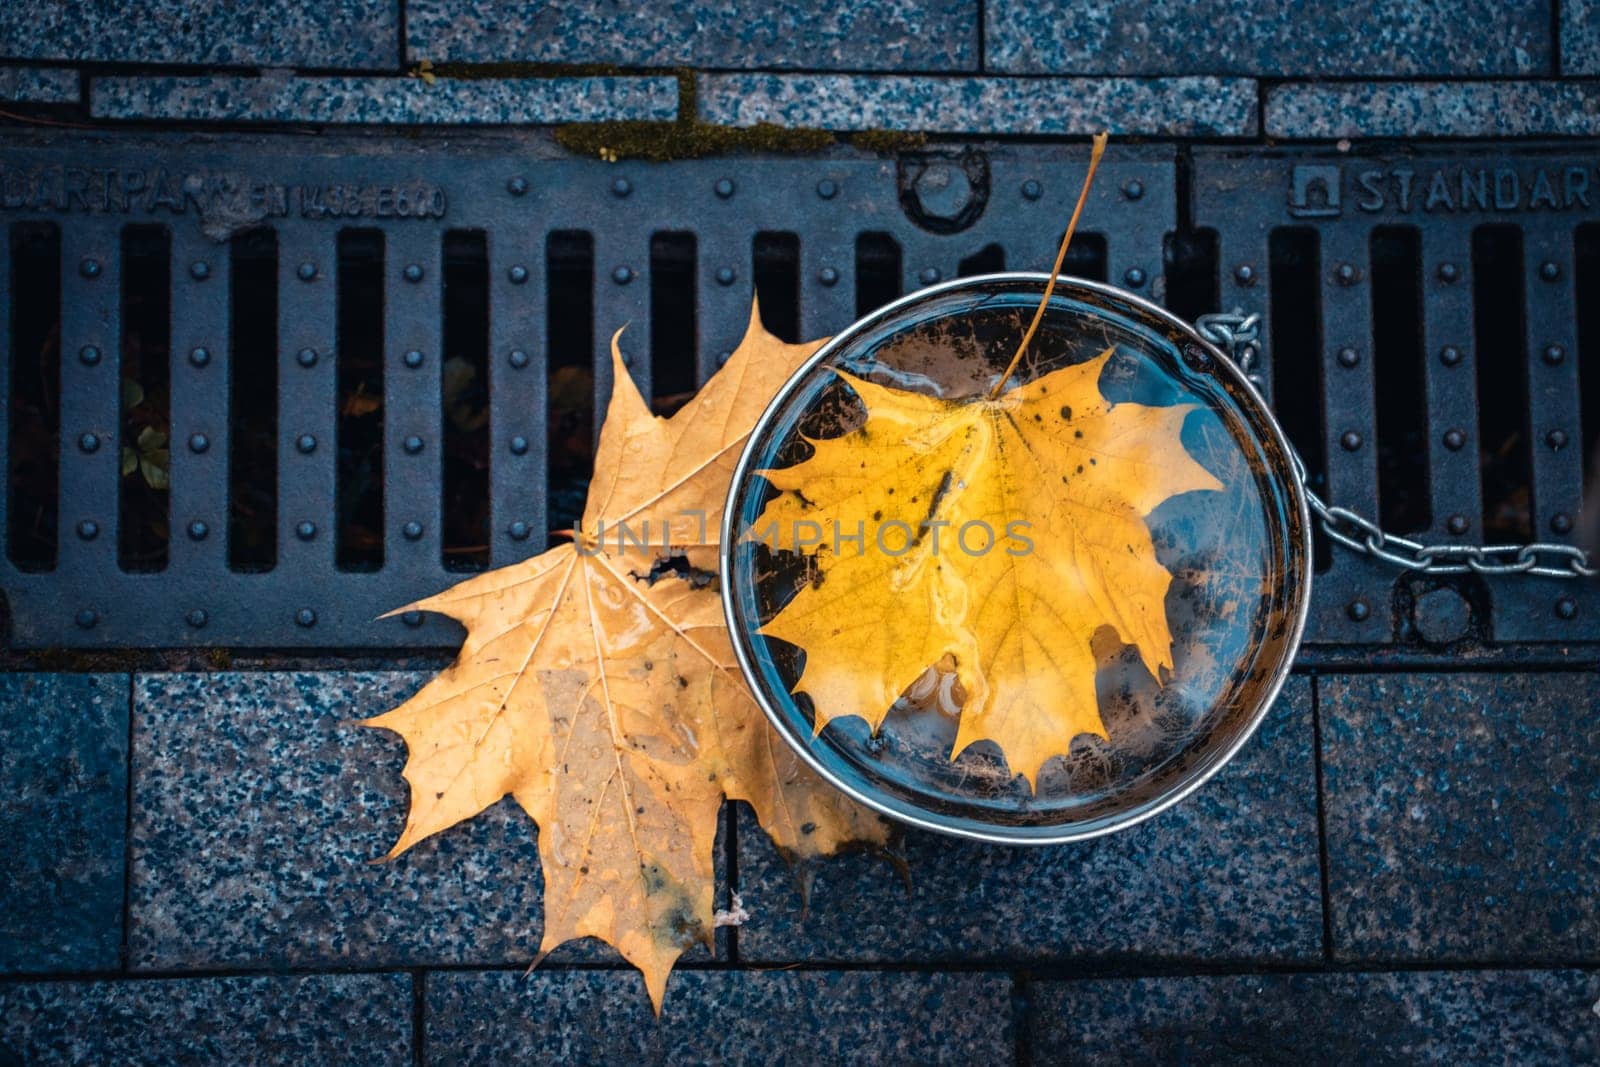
[1295,326]
[145,458]
[33,353]
[775,264]
[464,381]
[252,401]
[674,319]
[1404,503]
[360,424]
[1500,351]
[1587,281]
[878,271]
[569,325]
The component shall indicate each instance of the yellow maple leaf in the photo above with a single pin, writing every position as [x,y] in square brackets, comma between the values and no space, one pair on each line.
[1002,531]
[601,691]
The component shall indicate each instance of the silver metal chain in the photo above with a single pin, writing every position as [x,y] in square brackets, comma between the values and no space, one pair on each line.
[1240,335]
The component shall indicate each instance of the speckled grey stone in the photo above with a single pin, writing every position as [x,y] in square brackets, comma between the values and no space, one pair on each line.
[1269,38]
[1229,873]
[1223,107]
[767,34]
[1433,109]
[1463,815]
[1480,1017]
[39,85]
[63,819]
[259,808]
[720,1017]
[1580,37]
[310,1019]
[409,101]
[353,34]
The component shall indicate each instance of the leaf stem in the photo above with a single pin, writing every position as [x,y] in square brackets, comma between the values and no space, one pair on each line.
[1095,153]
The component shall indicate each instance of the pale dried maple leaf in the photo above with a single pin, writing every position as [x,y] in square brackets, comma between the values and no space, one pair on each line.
[607,700]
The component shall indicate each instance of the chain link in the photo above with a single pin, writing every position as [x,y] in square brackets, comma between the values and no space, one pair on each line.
[1238,335]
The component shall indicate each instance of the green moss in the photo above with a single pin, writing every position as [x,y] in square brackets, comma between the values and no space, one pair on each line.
[888,140]
[663,141]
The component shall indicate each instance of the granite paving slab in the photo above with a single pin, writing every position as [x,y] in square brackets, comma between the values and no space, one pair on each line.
[1433,109]
[1270,38]
[768,34]
[719,1017]
[349,34]
[305,1019]
[1463,815]
[39,85]
[63,820]
[1229,873]
[259,810]
[378,101]
[1224,107]
[1580,37]
[1479,1017]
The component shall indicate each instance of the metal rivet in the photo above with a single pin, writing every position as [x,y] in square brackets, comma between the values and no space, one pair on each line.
[1350,441]
[621,187]
[412,618]
[828,276]
[1134,277]
[1357,610]
[1549,270]
[305,617]
[196,618]
[88,530]
[1450,355]
[306,357]
[622,275]
[1032,190]
[413,272]
[929,275]
[827,188]
[199,270]
[412,531]
[519,531]
[1244,274]
[198,443]
[88,355]
[517,186]
[1348,357]
[89,268]
[518,358]
[723,357]
[413,359]
[724,188]
[306,531]
[1554,354]
[1346,273]
[1448,272]
[1134,189]
[306,443]
[725,275]
[86,619]
[307,271]
[1566,608]
[1442,616]
[1454,439]
[412,444]
[1457,524]
[519,445]
[518,274]
[1561,522]
[88,442]
[198,530]
[1556,439]
[200,357]
[627,356]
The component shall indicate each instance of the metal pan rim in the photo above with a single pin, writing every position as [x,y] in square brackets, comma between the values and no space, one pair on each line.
[1233,380]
